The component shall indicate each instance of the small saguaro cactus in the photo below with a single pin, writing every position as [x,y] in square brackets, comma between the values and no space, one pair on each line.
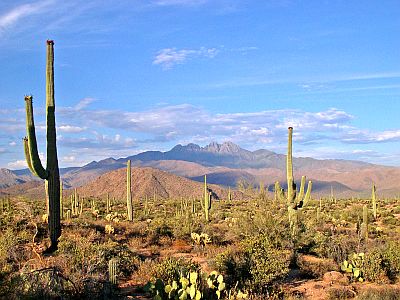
[113,271]
[51,173]
[229,195]
[207,200]
[295,201]
[61,201]
[108,203]
[129,191]
[364,226]
[373,198]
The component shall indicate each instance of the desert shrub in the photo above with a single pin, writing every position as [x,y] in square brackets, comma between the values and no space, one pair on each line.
[273,225]
[267,263]
[157,229]
[340,293]
[391,259]
[390,220]
[256,265]
[337,247]
[379,294]
[314,266]
[48,283]
[88,258]
[11,249]
[235,266]
[170,269]
[373,268]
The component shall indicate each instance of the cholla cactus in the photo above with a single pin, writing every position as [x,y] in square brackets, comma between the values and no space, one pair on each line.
[109,229]
[295,201]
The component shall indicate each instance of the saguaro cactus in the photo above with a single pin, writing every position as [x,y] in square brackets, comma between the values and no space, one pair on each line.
[373,198]
[295,201]
[51,173]
[61,201]
[129,191]
[364,226]
[207,200]
[113,271]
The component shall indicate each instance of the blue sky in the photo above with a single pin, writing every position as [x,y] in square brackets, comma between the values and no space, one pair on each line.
[146,75]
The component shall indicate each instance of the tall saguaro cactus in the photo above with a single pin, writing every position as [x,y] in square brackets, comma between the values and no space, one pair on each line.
[373,198]
[51,173]
[295,201]
[207,200]
[129,191]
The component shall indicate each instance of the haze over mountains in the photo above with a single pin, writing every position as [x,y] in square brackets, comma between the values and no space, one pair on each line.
[227,163]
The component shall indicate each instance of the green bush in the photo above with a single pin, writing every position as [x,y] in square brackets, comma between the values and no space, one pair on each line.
[391,259]
[255,265]
[235,266]
[337,247]
[170,269]
[87,258]
[373,268]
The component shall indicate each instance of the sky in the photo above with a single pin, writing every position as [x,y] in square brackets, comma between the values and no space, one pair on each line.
[133,75]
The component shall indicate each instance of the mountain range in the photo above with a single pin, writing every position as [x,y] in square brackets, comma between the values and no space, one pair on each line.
[227,163]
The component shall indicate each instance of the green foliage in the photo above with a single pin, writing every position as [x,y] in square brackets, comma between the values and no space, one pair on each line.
[170,269]
[391,259]
[89,258]
[266,262]
[373,267]
[189,286]
[337,247]
[354,266]
[256,265]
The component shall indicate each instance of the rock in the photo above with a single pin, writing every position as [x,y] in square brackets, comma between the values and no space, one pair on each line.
[335,277]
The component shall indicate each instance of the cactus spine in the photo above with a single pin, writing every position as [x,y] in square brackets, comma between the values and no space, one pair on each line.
[51,173]
[373,197]
[295,202]
[129,191]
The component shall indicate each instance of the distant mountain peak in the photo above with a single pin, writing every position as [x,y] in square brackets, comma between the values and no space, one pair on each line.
[188,147]
[225,148]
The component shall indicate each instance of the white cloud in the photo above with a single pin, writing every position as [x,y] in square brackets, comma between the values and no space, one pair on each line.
[177,122]
[169,57]
[12,144]
[68,159]
[11,17]
[97,141]
[83,103]
[366,136]
[18,164]
[70,129]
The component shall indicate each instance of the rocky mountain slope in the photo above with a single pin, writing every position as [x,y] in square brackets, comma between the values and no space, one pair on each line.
[227,163]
